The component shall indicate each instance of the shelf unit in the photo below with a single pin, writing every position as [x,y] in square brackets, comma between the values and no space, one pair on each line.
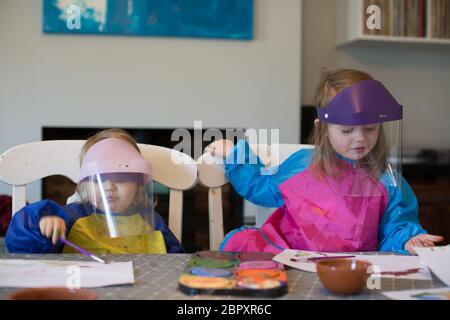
[350,21]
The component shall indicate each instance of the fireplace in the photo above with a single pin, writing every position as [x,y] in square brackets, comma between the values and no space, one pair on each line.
[195,202]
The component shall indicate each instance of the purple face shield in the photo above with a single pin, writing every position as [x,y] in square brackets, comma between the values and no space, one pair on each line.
[364,102]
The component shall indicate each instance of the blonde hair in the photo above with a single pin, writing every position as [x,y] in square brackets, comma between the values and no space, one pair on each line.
[106,134]
[324,160]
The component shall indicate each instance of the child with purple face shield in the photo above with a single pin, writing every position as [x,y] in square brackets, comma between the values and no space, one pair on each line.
[345,195]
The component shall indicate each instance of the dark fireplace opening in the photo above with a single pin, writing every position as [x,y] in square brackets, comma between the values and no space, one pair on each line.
[195,234]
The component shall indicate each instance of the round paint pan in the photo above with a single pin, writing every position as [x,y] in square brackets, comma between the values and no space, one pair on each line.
[210,272]
[262,274]
[217,255]
[206,283]
[252,256]
[261,264]
[258,283]
[211,263]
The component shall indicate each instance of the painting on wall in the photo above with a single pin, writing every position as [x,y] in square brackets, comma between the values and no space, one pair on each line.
[228,19]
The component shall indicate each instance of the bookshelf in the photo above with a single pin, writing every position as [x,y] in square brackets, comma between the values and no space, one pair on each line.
[351,23]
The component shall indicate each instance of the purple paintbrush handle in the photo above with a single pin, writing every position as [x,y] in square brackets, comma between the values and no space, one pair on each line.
[85,252]
[329,257]
[76,247]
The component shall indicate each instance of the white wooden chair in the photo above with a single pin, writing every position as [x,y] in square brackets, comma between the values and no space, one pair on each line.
[211,174]
[29,162]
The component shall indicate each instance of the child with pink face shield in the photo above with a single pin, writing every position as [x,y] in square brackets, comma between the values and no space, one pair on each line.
[115,211]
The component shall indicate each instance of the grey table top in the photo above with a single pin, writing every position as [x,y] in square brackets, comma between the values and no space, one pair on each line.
[156,277]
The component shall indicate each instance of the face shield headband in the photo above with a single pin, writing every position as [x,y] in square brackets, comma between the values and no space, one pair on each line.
[137,178]
[114,157]
[365,102]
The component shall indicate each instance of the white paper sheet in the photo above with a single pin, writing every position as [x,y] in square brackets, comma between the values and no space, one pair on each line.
[438,260]
[298,258]
[18,273]
[386,263]
[420,294]
[399,264]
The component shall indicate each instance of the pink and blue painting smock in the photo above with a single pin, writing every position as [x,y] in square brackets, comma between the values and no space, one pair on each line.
[351,211]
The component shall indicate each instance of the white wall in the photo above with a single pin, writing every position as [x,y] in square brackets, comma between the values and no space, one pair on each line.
[109,81]
[418,76]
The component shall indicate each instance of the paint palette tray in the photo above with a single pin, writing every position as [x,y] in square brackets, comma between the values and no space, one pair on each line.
[252,274]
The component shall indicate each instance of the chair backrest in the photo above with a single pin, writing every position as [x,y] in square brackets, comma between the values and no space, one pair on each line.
[29,162]
[211,174]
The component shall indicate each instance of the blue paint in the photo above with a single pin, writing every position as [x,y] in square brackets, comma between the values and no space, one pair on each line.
[209,272]
[230,19]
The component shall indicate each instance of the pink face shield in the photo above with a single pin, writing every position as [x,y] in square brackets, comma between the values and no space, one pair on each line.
[115,184]
[114,156]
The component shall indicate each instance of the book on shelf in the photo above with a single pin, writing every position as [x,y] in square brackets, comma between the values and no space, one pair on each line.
[409,18]
[440,19]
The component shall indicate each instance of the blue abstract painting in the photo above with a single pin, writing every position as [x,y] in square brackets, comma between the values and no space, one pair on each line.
[231,19]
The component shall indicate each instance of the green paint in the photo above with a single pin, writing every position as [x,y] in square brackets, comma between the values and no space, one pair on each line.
[210,263]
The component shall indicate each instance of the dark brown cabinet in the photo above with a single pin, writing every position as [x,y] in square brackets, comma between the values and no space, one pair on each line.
[434,207]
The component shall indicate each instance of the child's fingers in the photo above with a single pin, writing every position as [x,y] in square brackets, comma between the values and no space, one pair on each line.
[63,230]
[57,230]
[417,242]
[423,242]
[42,226]
[432,238]
[49,229]
[209,149]
[426,240]
[410,247]
[428,243]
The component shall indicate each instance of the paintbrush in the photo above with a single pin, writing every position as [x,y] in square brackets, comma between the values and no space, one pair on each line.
[85,252]
[313,259]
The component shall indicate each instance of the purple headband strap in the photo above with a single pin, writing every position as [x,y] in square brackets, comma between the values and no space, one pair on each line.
[362,103]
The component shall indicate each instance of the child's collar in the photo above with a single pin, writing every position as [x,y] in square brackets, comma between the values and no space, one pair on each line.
[350,161]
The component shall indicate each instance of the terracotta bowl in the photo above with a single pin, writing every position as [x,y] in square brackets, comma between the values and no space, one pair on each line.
[343,276]
[53,294]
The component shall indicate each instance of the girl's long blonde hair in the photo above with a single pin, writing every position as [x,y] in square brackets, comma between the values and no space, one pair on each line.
[324,160]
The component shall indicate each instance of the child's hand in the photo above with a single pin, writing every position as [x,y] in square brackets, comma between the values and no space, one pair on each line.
[220,148]
[53,227]
[422,240]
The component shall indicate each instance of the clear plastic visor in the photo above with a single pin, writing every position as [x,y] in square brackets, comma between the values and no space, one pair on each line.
[364,159]
[122,203]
